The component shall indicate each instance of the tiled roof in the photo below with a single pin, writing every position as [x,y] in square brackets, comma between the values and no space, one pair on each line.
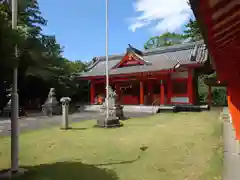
[159,59]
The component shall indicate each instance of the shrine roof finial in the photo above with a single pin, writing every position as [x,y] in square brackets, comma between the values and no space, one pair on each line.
[132,49]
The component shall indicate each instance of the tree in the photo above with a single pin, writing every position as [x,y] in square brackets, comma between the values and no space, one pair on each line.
[193,31]
[41,64]
[166,39]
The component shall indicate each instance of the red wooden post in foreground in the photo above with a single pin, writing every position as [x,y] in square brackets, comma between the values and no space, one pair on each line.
[169,89]
[141,93]
[234,107]
[92,93]
[190,86]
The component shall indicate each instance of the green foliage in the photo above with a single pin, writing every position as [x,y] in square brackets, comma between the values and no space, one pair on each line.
[219,94]
[193,31]
[40,61]
[166,39]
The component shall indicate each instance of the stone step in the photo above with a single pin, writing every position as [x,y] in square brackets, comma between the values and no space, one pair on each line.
[126,108]
[90,108]
[146,109]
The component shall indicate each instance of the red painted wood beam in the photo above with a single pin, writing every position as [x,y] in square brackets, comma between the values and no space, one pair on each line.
[138,74]
[220,5]
[127,78]
[180,79]
[206,12]
[224,16]
[180,95]
[228,43]
[230,36]
[225,47]
[162,93]
[127,58]
[221,31]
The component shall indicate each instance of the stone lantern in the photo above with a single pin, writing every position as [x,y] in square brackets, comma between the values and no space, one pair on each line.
[65,107]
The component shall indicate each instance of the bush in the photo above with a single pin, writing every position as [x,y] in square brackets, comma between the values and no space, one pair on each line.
[219,94]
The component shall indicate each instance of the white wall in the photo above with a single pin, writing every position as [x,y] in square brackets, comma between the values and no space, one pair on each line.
[183,74]
[179,99]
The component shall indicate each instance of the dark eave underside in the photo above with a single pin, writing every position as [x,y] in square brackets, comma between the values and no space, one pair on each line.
[219,21]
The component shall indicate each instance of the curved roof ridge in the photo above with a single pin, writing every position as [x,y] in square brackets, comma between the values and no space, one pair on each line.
[160,50]
[177,47]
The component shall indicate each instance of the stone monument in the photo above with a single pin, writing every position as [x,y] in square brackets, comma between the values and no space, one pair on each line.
[51,105]
[7,110]
[115,111]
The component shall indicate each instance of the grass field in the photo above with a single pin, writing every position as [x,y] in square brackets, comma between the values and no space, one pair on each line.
[182,146]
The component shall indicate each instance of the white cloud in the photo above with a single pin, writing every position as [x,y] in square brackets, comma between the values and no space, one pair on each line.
[163,15]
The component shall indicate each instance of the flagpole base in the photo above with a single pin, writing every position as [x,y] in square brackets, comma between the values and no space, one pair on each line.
[9,174]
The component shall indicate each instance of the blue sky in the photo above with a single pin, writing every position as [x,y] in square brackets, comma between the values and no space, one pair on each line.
[79,25]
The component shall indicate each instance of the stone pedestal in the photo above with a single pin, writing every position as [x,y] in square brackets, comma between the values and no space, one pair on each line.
[115,112]
[108,122]
[118,112]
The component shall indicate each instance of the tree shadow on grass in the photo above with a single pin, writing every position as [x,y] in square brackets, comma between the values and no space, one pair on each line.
[67,170]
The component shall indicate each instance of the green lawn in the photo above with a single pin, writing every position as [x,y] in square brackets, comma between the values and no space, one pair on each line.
[182,146]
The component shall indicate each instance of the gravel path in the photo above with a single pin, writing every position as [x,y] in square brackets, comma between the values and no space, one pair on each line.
[231,160]
[37,121]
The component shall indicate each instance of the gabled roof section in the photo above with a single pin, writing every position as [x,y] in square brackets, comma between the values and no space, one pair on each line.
[133,57]
[153,60]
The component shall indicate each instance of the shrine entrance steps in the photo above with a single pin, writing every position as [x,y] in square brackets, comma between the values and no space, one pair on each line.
[126,108]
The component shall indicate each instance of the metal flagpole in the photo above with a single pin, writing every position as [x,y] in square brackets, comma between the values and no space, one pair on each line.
[14,102]
[107,75]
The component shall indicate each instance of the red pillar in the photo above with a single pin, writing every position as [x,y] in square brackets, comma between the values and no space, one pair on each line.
[209,95]
[141,93]
[92,92]
[234,107]
[150,92]
[169,83]
[162,93]
[190,86]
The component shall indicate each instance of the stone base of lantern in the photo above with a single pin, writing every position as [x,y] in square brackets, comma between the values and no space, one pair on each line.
[110,122]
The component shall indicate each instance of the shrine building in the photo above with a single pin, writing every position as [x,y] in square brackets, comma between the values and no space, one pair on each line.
[162,76]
